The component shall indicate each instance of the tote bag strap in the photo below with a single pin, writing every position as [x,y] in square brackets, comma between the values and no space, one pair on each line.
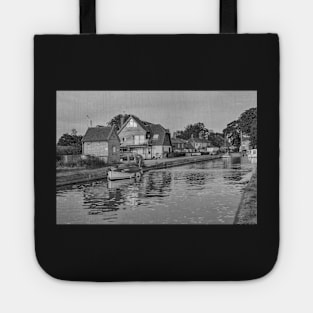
[87,22]
[228,16]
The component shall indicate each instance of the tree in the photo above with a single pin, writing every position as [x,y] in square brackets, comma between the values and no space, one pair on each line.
[254,134]
[194,130]
[246,125]
[246,120]
[232,133]
[216,139]
[118,120]
[67,140]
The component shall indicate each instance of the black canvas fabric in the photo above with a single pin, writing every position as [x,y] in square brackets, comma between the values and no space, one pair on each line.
[226,61]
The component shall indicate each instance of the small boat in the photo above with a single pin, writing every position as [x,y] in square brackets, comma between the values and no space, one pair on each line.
[124,173]
[120,184]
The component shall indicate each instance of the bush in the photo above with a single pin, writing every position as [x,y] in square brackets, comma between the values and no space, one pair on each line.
[92,162]
[67,150]
[77,161]
[61,163]
[176,154]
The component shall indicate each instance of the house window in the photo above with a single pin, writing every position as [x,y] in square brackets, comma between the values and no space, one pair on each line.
[132,123]
[156,136]
[139,139]
[114,149]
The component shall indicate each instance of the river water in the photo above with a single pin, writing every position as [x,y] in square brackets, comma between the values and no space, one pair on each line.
[201,193]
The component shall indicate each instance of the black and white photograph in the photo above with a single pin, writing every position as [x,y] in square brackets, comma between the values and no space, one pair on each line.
[156,157]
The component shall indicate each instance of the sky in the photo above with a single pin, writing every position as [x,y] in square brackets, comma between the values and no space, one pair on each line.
[172,109]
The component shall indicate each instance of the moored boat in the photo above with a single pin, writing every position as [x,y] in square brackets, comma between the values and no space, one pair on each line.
[120,183]
[124,173]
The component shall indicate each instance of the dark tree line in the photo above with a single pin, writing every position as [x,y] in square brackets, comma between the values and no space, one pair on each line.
[70,143]
[198,130]
[195,130]
[245,125]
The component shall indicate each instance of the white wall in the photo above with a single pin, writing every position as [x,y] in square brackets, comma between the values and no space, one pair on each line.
[167,149]
[157,151]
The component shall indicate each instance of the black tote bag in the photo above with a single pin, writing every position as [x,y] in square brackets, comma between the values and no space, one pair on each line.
[157,156]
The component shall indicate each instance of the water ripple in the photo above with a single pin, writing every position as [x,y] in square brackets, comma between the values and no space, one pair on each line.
[202,193]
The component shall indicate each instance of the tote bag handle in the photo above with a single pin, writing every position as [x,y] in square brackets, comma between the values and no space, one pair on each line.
[228,16]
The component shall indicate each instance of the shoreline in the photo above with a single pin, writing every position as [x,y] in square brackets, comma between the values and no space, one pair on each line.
[76,176]
[247,210]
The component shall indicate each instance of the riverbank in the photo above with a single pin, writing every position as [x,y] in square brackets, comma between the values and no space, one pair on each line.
[247,211]
[179,161]
[75,176]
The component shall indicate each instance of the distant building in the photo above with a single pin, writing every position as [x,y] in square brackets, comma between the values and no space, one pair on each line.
[144,138]
[199,144]
[102,142]
[181,145]
[213,150]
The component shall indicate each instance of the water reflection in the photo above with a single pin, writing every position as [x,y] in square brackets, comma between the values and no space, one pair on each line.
[207,192]
[235,174]
[196,178]
[157,183]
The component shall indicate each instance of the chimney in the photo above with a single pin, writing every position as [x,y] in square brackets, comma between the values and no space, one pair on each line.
[174,135]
